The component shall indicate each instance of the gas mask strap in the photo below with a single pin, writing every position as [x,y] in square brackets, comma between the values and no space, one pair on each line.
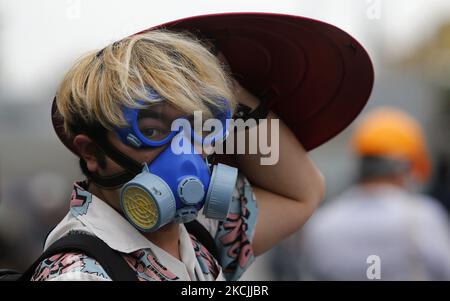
[245,113]
[111,182]
[132,167]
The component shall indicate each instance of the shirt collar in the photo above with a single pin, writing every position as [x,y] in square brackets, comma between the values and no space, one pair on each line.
[105,222]
[100,219]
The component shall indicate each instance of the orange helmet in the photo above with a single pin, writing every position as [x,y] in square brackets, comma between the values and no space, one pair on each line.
[388,132]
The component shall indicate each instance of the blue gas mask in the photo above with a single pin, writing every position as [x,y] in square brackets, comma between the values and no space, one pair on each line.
[175,186]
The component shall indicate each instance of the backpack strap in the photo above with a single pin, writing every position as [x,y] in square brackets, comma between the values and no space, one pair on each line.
[203,236]
[111,261]
[9,275]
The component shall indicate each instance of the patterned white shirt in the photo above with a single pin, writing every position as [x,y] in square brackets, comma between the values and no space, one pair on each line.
[91,215]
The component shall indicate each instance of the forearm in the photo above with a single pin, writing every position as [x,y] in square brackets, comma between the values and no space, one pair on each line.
[286,192]
[294,175]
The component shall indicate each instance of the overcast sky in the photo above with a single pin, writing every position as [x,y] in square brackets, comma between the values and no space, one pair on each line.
[40,39]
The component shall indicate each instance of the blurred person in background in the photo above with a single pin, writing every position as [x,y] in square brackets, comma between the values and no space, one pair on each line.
[382,216]
[440,184]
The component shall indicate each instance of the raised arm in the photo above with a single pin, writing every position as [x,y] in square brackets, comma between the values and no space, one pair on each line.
[288,192]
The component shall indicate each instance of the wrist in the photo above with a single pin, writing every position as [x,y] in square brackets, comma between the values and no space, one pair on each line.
[244,97]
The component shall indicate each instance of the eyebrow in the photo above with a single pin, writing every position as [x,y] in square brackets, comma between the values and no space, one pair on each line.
[163,116]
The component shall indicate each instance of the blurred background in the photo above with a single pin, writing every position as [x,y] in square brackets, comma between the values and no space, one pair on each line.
[408,41]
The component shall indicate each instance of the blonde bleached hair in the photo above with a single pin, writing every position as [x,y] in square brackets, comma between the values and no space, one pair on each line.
[178,66]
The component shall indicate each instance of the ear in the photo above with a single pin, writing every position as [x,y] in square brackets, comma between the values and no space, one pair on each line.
[87,149]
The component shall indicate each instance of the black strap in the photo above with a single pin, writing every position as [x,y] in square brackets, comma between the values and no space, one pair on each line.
[9,275]
[111,182]
[245,112]
[99,136]
[110,260]
[203,236]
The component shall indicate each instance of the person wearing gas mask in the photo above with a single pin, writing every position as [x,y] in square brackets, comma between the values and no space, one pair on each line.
[142,196]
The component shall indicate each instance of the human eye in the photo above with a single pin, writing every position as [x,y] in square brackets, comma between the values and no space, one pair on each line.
[153,129]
